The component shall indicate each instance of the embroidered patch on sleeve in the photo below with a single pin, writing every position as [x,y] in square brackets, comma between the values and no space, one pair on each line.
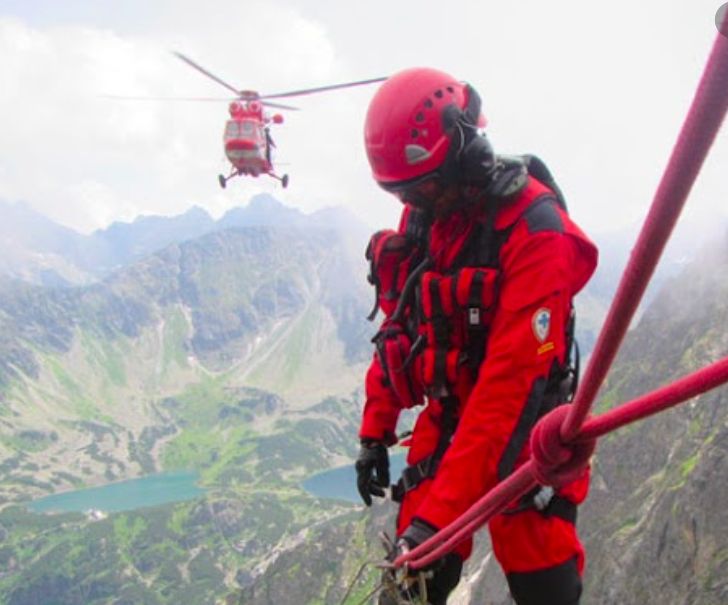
[541,324]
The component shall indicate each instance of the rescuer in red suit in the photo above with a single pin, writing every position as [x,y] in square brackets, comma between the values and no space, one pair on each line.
[476,286]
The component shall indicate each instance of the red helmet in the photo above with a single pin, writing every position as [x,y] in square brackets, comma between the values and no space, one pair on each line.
[411,120]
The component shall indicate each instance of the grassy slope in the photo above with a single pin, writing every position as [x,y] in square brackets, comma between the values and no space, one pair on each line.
[84,422]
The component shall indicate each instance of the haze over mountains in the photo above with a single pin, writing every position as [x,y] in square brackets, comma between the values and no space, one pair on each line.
[38,250]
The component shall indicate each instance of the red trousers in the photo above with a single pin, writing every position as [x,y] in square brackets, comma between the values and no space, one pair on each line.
[527,540]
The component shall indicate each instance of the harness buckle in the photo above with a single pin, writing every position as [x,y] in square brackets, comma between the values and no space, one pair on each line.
[413,475]
[474,316]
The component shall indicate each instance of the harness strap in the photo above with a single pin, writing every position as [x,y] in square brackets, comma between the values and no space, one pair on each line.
[426,468]
[409,288]
[412,476]
[572,360]
[441,333]
[562,508]
[477,331]
[553,505]
[375,308]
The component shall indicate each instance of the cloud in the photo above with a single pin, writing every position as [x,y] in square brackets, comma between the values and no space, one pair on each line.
[83,159]
[599,91]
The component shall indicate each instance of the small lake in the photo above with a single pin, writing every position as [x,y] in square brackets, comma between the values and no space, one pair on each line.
[124,495]
[340,483]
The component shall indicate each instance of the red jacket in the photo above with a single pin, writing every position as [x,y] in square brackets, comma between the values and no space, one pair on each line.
[543,263]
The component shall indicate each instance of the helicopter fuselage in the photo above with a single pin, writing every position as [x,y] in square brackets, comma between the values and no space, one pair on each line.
[247,140]
[247,137]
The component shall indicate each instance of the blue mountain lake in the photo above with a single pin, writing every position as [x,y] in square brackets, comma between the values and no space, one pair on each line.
[340,483]
[124,495]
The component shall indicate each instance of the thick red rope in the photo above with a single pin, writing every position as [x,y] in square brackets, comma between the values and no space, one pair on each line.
[558,439]
[698,132]
[666,397]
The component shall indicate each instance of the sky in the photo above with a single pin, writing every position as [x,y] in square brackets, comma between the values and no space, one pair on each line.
[598,90]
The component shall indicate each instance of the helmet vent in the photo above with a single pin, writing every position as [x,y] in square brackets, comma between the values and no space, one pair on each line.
[415,154]
[420,117]
[414,133]
[450,90]
[439,93]
[428,103]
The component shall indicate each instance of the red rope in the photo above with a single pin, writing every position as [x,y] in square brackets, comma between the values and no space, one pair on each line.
[699,130]
[666,397]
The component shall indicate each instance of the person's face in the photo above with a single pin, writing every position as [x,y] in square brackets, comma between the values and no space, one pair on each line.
[430,194]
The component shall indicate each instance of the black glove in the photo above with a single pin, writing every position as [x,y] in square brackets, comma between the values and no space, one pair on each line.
[373,457]
[417,532]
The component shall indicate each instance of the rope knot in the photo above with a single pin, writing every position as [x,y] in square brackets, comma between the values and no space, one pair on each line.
[556,463]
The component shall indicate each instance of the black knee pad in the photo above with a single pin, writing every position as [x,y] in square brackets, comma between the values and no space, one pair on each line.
[446,578]
[558,585]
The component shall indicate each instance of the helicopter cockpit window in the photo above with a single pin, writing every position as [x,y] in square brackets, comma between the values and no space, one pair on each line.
[247,128]
[231,130]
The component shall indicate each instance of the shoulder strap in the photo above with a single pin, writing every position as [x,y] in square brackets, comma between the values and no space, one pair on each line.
[484,245]
[538,170]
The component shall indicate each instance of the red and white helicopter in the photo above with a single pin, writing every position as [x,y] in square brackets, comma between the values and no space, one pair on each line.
[247,137]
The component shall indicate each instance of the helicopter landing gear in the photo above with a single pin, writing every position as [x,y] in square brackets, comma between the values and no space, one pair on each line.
[283,179]
[222,179]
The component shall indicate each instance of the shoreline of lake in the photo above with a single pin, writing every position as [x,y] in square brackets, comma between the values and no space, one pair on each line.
[119,496]
[339,483]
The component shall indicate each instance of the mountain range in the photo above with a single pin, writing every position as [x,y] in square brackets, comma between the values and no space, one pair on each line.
[41,251]
[236,348]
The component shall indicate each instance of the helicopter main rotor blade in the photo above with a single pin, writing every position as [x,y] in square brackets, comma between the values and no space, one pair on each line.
[202,70]
[131,98]
[279,105]
[194,99]
[308,91]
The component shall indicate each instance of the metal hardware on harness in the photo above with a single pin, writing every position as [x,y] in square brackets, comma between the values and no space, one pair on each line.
[542,498]
[545,500]
[400,585]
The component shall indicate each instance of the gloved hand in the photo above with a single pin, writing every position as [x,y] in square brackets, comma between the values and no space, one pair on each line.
[416,533]
[372,470]
[405,585]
